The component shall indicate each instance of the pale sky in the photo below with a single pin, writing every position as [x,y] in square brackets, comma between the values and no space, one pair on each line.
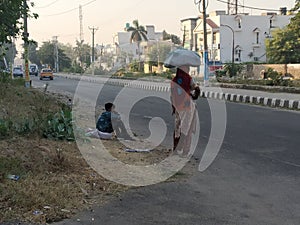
[61,17]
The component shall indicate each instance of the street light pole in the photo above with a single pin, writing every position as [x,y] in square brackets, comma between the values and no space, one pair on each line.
[56,54]
[232,53]
[205,55]
[93,30]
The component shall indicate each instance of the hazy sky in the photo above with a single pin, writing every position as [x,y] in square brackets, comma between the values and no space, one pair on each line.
[61,17]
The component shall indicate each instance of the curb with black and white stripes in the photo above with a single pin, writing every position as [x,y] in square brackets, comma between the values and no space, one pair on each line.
[265,101]
[151,86]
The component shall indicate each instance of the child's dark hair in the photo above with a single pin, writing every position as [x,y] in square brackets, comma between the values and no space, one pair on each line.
[108,106]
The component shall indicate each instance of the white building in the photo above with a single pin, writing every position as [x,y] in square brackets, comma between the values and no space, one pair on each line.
[130,49]
[248,32]
[188,25]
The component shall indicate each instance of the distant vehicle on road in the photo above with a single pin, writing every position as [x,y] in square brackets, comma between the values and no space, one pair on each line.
[46,73]
[7,70]
[18,72]
[33,69]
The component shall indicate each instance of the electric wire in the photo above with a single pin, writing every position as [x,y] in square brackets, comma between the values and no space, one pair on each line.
[249,7]
[198,3]
[70,10]
[45,6]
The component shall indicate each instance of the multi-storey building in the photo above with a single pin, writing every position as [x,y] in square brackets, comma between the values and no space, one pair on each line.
[238,37]
[125,46]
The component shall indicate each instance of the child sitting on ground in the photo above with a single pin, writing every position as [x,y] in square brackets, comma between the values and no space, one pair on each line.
[110,122]
[104,123]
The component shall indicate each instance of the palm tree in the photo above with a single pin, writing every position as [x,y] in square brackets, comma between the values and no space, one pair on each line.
[138,34]
[83,53]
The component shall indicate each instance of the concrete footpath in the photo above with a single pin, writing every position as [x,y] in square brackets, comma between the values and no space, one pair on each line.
[281,100]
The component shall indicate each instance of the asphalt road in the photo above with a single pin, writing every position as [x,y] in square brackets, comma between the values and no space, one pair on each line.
[254,179]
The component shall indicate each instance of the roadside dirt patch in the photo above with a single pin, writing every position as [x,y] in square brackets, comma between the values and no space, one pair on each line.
[54,182]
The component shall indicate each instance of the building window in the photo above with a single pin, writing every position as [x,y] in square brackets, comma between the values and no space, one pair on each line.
[238,53]
[239,23]
[256,32]
[271,23]
[214,38]
[238,20]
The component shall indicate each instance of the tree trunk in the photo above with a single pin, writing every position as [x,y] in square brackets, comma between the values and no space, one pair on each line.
[285,69]
[139,54]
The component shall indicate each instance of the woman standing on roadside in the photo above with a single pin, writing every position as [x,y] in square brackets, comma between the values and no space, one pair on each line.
[182,86]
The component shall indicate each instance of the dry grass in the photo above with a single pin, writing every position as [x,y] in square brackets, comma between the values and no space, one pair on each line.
[117,150]
[55,181]
[54,178]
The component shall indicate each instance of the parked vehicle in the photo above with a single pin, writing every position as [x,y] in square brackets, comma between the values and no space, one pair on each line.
[33,69]
[46,73]
[18,72]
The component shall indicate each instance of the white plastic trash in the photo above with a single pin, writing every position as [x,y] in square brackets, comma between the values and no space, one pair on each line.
[106,136]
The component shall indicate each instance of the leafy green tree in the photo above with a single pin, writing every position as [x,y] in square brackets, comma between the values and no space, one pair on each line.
[68,49]
[284,47]
[158,53]
[9,51]
[65,62]
[138,34]
[175,39]
[33,54]
[46,56]
[11,12]
[297,6]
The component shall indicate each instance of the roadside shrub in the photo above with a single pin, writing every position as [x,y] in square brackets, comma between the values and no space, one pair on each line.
[76,68]
[59,126]
[272,74]
[120,72]
[220,73]
[233,69]
[5,77]
[25,126]
[168,74]
[134,66]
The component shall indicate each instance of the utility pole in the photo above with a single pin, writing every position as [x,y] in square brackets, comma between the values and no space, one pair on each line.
[101,54]
[232,7]
[93,30]
[183,39]
[25,38]
[205,50]
[158,60]
[56,61]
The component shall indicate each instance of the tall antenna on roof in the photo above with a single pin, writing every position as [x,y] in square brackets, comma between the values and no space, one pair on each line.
[232,7]
[81,24]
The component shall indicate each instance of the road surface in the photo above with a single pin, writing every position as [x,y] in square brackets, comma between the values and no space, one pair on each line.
[255,178]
